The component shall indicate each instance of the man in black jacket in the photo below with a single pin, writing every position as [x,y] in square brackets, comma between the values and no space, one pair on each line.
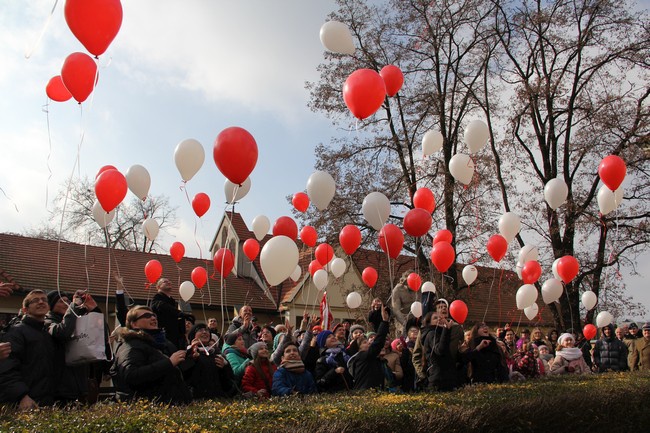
[26,376]
[170,318]
[366,367]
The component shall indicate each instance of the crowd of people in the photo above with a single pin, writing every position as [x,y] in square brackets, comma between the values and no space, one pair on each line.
[161,353]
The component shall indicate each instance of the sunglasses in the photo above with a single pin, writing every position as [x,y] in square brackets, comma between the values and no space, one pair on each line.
[144,316]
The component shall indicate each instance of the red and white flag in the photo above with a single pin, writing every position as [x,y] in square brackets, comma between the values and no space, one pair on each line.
[326,317]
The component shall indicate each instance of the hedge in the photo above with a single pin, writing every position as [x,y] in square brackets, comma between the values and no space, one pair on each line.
[610,403]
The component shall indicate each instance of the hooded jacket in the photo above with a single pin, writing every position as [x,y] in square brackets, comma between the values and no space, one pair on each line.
[610,353]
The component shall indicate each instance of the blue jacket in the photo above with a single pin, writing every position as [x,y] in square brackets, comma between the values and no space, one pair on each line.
[286,383]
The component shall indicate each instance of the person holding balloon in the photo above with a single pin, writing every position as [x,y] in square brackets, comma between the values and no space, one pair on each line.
[170,318]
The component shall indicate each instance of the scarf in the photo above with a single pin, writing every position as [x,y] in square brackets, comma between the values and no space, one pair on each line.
[331,356]
[569,353]
[158,335]
[294,366]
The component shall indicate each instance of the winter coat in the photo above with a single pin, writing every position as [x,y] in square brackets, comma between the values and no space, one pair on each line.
[140,369]
[561,365]
[253,381]
[526,364]
[629,342]
[394,364]
[441,365]
[286,382]
[406,361]
[170,318]
[206,380]
[366,367]
[374,318]
[610,354]
[489,364]
[29,369]
[249,333]
[327,379]
[641,354]
[237,359]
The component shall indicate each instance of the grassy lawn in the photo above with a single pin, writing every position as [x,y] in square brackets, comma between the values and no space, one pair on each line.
[598,403]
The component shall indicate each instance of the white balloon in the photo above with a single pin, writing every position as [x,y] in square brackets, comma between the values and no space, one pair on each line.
[261,226]
[101,217]
[509,226]
[519,267]
[189,156]
[554,268]
[236,192]
[552,289]
[526,296]
[278,258]
[469,274]
[531,311]
[603,319]
[428,286]
[618,196]
[589,299]
[416,309]
[338,267]
[476,135]
[138,180]
[186,290]
[461,168]
[353,300]
[432,142]
[321,189]
[606,200]
[295,275]
[150,228]
[528,253]
[335,37]
[555,192]
[320,279]
[376,209]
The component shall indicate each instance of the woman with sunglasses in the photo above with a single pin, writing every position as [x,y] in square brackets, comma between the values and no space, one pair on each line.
[146,364]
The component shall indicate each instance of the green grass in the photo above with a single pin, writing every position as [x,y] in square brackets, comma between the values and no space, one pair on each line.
[599,403]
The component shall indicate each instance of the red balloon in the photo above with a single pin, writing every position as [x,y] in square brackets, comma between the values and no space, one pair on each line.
[458,311]
[414,281]
[103,169]
[391,240]
[589,331]
[110,189]
[364,92]
[393,79]
[442,256]
[531,272]
[314,266]
[78,74]
[285,226]
[308,236]
[199,276]
[56,90]
[251,248]
[350,239]
[369,276]
[200,204]
[443,235]
[567,268]
[153,270]
[424,199]
[224,261]
[235,153]
[94,22]
[497,247]
[612,171]
[417,222]
[177,251]
[324,253]
[300,201]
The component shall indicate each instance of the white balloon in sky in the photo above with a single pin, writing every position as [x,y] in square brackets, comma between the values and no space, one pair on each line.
[461,168]
[336,37]
[555,192]
[150,228]
[234,192]
[476,135]
[321,189]
[138,180]
[509,226]
[376,209]
[101,217]
[589,299]
[261,226]
[432,142]
[189,156]
[469,274]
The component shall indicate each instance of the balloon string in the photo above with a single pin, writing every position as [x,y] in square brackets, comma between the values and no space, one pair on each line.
[499,294]
[490,294]
[49,153]
[566,292]
[29,52]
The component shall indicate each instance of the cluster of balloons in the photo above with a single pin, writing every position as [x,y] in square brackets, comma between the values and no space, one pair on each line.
[612,171]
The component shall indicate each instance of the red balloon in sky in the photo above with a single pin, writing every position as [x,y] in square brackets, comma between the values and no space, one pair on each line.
[103,169]
[458,311]
[153,270]
[285,226]
[350,239]
[235,153]
[589,331]
[567,268]
[364,92]
[391,240]
[78,74]
[177,251]
[308,236]
[443,235]
[612,171]
[442,256]
[95,23]
[300,201]
[199,276]
[110,189]
[369,276]
[393,79]
[201,204]
[414,281]
[56,90]
[497,247]
[424,199]
[314,266]
[531,272]
[324,253]
[251,248]
[224,261]
[417,222]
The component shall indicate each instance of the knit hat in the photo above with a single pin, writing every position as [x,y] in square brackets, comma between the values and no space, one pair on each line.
[322,337]
[646,327]
[370,334]
[441,301]
[194,329]
[231,338]
[633,326]
[564,336]
[395,342]
[54,296]
[355,327]
[252,351]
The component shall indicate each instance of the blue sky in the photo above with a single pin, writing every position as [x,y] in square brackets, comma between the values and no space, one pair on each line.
[176,70]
